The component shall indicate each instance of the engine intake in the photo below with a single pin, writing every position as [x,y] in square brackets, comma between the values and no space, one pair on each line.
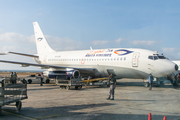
[66,75]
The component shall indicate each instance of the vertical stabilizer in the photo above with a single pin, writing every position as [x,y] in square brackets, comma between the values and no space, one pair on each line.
[41,43]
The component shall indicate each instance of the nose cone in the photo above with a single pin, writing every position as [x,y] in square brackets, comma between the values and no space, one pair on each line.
[164,68]
[176,67]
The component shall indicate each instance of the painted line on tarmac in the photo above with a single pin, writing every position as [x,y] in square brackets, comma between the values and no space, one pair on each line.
[19,115]
[58,115]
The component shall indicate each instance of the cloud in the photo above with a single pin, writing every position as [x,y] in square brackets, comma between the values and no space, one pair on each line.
[168,49]
[64,43]
[11,37]
[119,40]
[7,48]
[100,42]
[19,42]
[1,30]
[105,42]
[143,42]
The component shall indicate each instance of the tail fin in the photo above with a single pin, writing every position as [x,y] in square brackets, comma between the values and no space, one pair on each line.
[41,43]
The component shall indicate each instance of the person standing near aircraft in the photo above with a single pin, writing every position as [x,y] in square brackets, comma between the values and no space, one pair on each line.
[11,74]
[15,77]
[112,81]
[11,79]
[150,81]
[42,77]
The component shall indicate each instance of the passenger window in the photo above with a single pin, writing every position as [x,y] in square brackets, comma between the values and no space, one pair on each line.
[124,58]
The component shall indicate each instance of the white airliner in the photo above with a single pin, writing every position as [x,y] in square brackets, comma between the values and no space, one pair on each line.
[123,62]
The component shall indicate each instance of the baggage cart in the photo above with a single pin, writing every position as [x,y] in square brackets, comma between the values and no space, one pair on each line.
[67,84]
[12,92]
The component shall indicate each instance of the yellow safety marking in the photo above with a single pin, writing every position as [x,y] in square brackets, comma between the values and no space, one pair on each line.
[19,115]
[91,80]
[50,116]
[60,115]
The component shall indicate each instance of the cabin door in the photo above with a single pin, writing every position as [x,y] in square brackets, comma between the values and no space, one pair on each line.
[135,59]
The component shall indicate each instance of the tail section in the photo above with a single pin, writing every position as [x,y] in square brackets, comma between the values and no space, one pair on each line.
[41,43]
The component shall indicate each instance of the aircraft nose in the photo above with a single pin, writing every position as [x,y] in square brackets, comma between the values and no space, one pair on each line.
[176,67]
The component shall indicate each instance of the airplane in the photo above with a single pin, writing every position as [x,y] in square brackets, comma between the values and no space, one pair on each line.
[123,62]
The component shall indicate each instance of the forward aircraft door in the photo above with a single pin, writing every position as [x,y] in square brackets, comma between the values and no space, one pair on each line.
[135,59]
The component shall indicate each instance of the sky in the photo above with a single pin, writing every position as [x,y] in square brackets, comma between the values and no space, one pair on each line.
[81,24]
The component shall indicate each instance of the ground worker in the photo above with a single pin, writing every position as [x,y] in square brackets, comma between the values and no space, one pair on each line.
[112,81]
[14,78]
[151,78]
[42,77]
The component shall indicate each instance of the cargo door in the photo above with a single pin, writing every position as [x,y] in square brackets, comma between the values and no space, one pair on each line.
[135,59]
[111,71]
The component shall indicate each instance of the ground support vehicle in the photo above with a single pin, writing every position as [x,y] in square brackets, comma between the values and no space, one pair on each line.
[12,93]
[32,79]
[67,84]
[157,81]
[79,82]
[95,82]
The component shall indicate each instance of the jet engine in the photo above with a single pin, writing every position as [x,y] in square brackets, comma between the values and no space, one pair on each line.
[62,74]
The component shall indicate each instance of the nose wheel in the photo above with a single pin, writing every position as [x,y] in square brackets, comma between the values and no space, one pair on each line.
[146,84]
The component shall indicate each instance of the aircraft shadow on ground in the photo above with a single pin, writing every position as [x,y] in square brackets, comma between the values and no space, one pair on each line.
[70,113]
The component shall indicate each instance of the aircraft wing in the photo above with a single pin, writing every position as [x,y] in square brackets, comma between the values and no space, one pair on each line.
[23,64]
[23,54]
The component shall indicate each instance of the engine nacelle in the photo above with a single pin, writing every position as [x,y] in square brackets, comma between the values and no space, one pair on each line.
[66,74]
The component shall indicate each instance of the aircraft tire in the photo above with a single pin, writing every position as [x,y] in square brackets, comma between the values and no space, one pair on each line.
[47,80]
[29,81]
[146,84]
[68,88]
[76,87]
[80,86]
[18,105]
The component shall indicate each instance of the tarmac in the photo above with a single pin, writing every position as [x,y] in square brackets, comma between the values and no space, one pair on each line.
[132,102]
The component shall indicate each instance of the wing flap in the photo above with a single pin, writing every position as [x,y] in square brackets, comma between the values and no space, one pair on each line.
[85,71]
[23,54]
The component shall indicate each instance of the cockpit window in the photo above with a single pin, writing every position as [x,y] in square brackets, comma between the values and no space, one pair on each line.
[150,57]
[161,57]
[153,57]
